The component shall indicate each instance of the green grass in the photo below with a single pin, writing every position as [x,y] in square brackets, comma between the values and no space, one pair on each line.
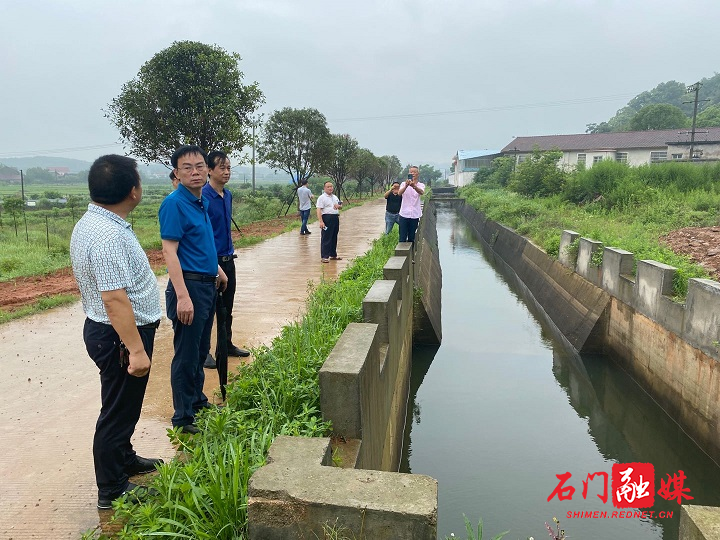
[634,228]
[203,492]
[41,305]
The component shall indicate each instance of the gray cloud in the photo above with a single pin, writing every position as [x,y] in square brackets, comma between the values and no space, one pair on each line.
[61,63]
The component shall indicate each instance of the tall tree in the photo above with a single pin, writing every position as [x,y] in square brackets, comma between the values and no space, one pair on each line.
[710,117]
[296,141]
[362,166]
[339,163]
[189,93]
[392,168]
[659,116]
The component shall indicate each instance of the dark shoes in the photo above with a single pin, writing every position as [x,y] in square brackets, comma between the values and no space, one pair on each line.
[192,429]
[210,362]
[143,465]
[134,492]
[237,351]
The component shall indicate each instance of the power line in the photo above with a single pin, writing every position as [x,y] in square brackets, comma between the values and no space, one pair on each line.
[578,101]
[23,153]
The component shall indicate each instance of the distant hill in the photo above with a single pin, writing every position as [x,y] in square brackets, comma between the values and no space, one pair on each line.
[668,93]
[75,165]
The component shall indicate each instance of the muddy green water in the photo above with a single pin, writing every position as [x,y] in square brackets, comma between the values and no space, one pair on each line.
[503,406]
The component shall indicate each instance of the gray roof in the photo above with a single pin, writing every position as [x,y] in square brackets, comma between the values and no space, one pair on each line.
[469,154]
[624,140]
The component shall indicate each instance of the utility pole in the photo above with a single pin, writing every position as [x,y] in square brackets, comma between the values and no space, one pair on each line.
[690,89]
[253,154]
[22,187]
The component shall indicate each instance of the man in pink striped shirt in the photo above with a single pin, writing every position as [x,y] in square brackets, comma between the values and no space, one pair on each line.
[410,209]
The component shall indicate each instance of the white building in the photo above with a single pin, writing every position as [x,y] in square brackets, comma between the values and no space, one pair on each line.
[632,147]
[466,164]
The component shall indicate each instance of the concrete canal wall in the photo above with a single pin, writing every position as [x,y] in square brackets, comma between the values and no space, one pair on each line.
[671,349]
[364,385]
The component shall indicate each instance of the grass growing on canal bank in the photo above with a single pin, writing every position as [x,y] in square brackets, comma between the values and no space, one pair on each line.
[203,492]
[635,228]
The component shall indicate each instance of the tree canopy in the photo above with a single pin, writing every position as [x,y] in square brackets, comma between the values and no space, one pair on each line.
[659,116]
[189,93]
[668,93]
[296,141]
[343,150]
[710,117]
[391,169]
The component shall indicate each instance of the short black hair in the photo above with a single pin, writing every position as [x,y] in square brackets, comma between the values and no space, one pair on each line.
[303,181]
[215,158]
[184,151]
[396,182]
[111,178]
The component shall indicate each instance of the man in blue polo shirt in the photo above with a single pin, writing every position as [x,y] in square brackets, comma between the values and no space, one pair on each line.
[189,251]
[220,211]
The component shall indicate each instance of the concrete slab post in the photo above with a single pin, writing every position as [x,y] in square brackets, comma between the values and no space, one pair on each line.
[585,266]
[699,522]
[297,493]
[616,263]
[654,280]
[565,256]
[702,315]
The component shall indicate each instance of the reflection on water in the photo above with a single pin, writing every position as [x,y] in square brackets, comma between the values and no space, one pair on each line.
[503,406]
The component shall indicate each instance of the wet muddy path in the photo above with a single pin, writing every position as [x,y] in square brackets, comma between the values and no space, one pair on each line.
[51,392]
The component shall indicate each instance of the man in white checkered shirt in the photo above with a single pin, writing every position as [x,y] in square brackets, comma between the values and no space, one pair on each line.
[121,300]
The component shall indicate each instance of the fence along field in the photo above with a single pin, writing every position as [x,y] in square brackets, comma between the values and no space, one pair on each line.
[36,241]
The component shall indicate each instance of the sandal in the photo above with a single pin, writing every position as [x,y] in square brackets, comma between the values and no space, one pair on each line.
[325,260]
[336,258]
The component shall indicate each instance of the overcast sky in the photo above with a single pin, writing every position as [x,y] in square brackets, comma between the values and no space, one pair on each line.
[419,79]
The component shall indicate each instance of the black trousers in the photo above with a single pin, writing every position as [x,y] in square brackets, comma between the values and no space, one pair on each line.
[228,297]
[328,237]
[122,397]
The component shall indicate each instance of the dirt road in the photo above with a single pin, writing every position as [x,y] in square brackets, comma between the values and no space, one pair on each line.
[51,392]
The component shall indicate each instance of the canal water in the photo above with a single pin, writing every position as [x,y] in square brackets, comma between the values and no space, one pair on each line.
[503,406]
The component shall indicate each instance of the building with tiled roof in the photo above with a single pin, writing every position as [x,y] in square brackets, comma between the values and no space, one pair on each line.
[467,162]
[632,147]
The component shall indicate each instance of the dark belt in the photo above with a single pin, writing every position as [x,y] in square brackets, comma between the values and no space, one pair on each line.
[226,258]
[154,325]
[205,278]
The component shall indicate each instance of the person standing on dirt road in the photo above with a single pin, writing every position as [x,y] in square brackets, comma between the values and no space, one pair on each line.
[328,214]
[188,246]
[121,301]
[305,198]
[220,212]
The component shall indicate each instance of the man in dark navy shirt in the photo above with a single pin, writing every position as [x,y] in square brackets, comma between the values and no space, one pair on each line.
[189,250]
[220,212]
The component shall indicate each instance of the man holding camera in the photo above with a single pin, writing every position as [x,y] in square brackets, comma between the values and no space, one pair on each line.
[410,209]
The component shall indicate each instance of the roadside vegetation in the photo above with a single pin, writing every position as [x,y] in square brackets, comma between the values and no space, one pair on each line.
[621,206]
[35,241]
[203,491]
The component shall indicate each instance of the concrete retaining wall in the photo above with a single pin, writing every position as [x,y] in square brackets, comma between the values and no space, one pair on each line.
[428,278]
[670,349]
[364,387]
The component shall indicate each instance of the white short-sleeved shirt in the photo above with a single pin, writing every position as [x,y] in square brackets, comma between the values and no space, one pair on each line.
[107,256]
[325,203]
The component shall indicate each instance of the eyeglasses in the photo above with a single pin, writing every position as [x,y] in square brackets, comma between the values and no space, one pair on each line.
[200,167]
